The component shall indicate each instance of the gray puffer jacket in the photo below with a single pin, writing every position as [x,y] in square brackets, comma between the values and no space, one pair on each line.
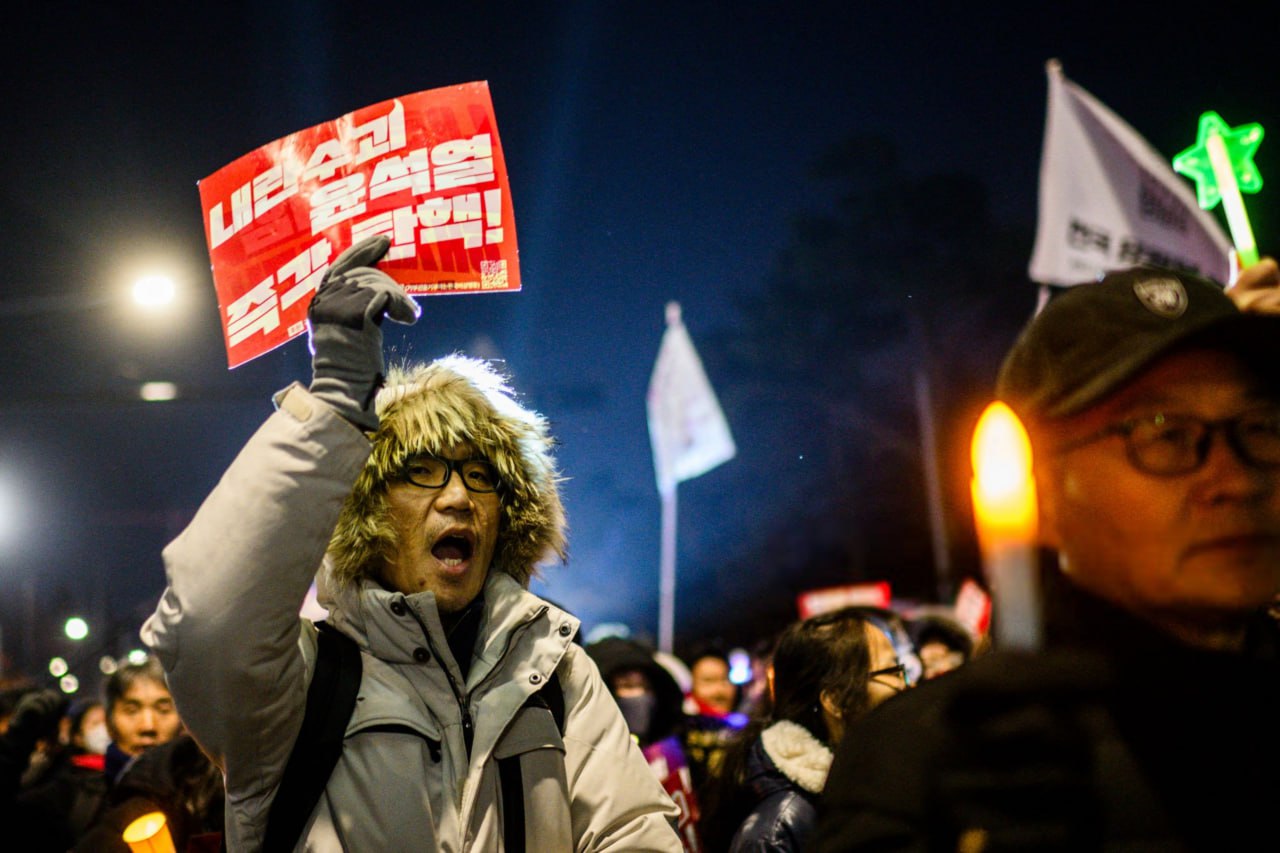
[239,661]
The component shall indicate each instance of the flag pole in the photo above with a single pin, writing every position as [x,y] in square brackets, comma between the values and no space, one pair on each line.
[667,574]
[690,437]
[933,487]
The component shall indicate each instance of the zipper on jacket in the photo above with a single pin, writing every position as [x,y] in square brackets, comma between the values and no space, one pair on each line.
[468,728]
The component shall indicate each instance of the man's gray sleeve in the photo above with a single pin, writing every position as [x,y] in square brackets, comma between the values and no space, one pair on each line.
[227,627]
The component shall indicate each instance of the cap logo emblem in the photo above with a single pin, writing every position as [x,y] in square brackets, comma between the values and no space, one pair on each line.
[1165,297]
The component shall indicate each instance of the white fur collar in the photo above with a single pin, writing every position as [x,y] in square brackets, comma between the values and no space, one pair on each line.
[800,756]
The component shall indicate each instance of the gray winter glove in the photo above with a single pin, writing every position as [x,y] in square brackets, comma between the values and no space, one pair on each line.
[345,321]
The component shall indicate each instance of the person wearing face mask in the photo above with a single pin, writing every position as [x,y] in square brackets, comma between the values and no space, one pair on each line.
[51,787]
[175,778]
[72,798]
[650,700]
[86,732]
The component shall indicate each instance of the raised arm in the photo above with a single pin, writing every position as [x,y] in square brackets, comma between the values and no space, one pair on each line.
[226,628]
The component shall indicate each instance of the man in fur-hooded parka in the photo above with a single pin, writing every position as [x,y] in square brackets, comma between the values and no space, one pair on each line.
[454,406]
[427,506]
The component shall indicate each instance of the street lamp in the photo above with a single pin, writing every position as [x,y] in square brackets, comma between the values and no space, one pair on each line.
[14,514]
[155,392]
[9,512]
[76,628]
[153,291]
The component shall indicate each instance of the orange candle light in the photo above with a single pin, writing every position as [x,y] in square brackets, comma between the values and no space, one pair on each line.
[1005,512]
[149,834]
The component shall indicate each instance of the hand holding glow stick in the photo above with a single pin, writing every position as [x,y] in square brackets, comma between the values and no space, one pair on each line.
[1221,164]
[1006,515]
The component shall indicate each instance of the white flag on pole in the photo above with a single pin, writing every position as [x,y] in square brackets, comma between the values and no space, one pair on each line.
[686,425]
[1109,200]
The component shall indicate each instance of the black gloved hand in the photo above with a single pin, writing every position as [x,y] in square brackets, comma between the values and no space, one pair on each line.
[346,339]
[36,716]
[1020,774]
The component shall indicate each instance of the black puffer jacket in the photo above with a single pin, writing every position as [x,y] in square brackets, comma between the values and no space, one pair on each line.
[1115,737]
[786,768]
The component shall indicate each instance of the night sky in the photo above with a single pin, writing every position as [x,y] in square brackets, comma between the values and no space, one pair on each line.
[655,152]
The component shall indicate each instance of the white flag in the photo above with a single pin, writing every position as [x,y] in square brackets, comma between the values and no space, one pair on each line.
[686,425]
[1109,200]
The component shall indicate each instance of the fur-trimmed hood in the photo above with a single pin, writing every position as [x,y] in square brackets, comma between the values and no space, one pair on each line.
[425,408]
[797,754]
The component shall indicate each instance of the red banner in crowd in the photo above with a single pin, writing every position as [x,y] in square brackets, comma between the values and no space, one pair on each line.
[815,601]
[424,169]
[973,608]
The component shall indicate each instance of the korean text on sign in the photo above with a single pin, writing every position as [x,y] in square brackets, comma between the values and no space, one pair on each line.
[425,170]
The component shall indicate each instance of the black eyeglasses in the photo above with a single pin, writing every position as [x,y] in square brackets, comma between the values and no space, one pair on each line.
[897,671]
[433,472]
[1169,445]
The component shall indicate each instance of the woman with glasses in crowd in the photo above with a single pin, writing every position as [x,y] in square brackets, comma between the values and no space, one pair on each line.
[825,672]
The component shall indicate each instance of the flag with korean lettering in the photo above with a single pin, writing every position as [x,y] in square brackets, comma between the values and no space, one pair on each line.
[687,427]
[424,169]
[1109,200]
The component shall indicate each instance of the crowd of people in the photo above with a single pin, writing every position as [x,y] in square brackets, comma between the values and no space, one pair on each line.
[442,706]
[73,776]
[76,774]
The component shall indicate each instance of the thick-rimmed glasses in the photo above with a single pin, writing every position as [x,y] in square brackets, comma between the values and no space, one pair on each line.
[1170,445]
[433,472]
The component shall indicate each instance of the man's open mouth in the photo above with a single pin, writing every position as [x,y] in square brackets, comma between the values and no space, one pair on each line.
[453,549]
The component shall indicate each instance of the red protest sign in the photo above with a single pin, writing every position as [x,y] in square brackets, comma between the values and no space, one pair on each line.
[973,607]
[815,601]
[424,169]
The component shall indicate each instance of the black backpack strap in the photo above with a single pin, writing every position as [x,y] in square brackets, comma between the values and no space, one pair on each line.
[331,697]
[509,779]
[551,697]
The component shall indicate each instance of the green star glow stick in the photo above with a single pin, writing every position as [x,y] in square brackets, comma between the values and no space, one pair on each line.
[1221,164]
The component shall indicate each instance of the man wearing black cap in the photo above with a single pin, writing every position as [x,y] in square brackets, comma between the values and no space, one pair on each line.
[1147,721]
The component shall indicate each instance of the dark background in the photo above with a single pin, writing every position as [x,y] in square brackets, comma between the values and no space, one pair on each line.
[841,196]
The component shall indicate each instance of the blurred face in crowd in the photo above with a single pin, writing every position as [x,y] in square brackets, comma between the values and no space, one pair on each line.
[636,699]
[937,657]
[92,734]
[888,678]
[631,682]
[446,535]
[1192,551]
[143,717]
[711,684]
